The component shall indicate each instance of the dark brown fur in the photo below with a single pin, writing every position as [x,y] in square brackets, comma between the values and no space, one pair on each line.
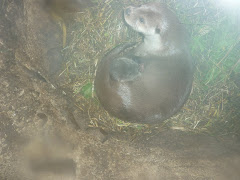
[164,80]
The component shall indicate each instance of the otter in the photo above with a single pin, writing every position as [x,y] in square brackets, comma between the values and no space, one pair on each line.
[149,82]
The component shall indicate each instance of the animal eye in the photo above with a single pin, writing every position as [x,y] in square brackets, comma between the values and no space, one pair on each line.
[141,20]
[157,30]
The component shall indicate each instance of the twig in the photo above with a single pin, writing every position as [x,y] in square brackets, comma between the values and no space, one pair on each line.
[233,67]
[229,51]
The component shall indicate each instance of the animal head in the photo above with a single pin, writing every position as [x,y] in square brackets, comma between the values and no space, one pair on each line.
[149,19]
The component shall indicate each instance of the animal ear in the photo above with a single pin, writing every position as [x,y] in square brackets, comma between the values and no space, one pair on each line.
[157,30]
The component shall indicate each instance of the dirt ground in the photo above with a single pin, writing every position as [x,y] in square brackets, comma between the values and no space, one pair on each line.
[44,136]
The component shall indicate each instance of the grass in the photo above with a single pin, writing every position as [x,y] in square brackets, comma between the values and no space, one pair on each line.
[214,105]
[215,46]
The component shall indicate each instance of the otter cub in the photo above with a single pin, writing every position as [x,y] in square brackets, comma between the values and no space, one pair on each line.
[152,81]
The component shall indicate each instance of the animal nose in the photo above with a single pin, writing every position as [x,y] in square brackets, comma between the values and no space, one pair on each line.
[128,11]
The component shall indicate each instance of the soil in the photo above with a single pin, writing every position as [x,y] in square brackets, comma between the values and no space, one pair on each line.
[44,136]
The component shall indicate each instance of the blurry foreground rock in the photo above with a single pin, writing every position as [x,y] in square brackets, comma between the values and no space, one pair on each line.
[43,136]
